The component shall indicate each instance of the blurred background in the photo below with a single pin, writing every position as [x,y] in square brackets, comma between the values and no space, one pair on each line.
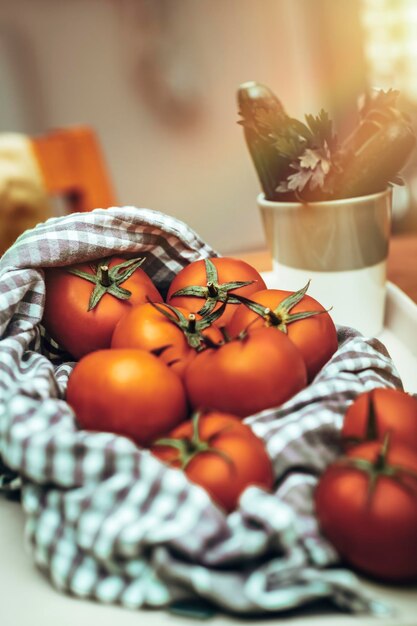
[156,81]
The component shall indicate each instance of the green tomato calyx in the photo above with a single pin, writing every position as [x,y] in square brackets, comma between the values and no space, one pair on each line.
[213,291]
[381,467]
[108,279]
[189,448]
[281,316]
[189,324]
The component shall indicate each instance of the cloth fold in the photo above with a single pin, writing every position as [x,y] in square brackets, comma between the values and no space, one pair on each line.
[107,520]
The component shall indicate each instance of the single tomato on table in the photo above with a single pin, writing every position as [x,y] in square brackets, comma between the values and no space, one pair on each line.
[379,411]
[173,333]
[203,285]
[259,370]
[127,392]
[301,317]
[84,302]
[219,453]
[366,504]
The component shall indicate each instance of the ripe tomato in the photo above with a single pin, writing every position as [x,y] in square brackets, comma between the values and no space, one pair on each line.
[175,339]
[203,285]
[81,313]
[314,336]
[128,392]
[246,375]
[376,412]
[219,453]
[366,504]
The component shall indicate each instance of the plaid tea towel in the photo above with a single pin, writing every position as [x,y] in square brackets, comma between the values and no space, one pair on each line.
[107,520]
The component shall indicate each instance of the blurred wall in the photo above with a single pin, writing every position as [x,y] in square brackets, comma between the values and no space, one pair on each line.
[111,63]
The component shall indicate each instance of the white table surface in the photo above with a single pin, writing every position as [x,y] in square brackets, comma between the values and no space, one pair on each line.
[28,599]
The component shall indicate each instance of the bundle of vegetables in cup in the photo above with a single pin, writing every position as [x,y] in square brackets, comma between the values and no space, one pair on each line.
[178,377]
[305,161]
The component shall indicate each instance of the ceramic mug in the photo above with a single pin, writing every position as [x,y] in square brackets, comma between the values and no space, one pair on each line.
[341,246]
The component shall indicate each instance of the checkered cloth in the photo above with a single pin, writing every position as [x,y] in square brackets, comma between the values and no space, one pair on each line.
[107,520]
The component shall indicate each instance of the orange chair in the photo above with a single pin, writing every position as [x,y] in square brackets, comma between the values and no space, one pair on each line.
[60,172]
[72,166]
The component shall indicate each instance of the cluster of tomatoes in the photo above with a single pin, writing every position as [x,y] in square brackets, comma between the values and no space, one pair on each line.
[366,501]
[178,376]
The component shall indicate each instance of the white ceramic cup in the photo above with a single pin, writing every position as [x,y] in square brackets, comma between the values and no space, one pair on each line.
[341,246]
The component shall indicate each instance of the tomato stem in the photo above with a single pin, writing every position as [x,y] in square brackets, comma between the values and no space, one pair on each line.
[272,318]
[192,324]
[211,290]
[381,460]
[371,424]
[104,277]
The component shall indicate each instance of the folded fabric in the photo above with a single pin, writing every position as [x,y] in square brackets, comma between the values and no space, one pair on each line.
[107,520]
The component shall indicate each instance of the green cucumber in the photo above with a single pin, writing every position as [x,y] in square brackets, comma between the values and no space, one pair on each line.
[270,166]
[371,166]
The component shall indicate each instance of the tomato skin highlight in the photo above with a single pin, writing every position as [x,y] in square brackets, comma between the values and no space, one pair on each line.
[242,461]
[229,270]
[66,316]
[395,412]
[377,534]
[127,392]
[242,377]
[145,327]
[315,336]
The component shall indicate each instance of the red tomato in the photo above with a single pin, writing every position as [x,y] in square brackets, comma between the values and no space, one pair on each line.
[314,336]
[380,411]
[369,515]
[67,317]
[215,280]
[128,392]
[145,327]
[225,457]
[244,376]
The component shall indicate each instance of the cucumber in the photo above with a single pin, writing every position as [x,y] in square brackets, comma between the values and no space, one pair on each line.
[270,166]
[371,166]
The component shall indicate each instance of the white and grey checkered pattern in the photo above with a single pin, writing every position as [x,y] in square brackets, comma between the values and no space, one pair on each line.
[107,520]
